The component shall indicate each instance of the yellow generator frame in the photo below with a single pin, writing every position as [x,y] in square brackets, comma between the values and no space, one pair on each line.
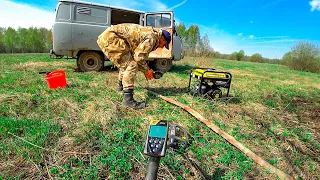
[218,78]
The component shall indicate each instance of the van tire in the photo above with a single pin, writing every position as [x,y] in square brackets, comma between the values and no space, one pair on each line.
[162,65]
[90,61]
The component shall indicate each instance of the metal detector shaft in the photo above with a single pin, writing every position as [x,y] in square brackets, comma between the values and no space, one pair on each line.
[153,166]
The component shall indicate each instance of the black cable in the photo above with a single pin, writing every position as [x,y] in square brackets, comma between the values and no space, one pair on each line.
[197,167]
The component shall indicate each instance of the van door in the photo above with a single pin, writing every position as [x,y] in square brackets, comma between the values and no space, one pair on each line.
[162,20]
[178,49]
[61,30]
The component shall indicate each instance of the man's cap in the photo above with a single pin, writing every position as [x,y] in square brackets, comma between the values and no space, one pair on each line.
[166,36]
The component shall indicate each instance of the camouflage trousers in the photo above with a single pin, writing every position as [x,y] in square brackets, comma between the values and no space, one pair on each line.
[128,74]
[118,52]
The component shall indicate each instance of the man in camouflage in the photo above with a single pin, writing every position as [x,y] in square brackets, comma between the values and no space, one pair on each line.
[128,46]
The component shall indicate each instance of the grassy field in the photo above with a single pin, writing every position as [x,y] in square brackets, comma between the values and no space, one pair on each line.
[83,132]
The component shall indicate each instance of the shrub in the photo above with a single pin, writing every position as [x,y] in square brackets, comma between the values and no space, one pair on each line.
[256,58]
[304,57]
[240,55]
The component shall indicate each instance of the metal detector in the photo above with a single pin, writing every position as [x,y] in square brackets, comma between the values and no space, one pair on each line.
[160,137]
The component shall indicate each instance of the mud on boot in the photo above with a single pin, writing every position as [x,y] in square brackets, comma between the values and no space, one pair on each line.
[130,102]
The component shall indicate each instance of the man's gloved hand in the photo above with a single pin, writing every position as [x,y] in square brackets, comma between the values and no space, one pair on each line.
[157,74]
[149,75]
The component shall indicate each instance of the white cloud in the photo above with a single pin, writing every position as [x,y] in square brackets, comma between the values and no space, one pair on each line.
[156,5]
[19,15]
[251,36]
[315,5]
[240,34]
[142,5]
[274,41]
[22,15]
[272,37]
[177,5]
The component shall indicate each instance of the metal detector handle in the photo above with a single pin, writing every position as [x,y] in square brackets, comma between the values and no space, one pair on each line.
[153,166]
[44,72]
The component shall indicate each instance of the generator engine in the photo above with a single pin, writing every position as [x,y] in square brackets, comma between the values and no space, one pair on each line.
[206,90]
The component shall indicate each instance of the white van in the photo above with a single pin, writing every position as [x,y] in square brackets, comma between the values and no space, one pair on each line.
[78,24]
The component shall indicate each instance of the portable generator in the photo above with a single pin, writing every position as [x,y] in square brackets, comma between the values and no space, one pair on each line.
[209,82]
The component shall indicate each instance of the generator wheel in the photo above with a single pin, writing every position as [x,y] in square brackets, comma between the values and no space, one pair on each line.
[216,94]
[162,65]
[59,56]
[90,61]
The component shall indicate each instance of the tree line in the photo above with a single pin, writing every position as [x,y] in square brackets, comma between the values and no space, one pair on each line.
[304,55]
[38,40]
[25,40]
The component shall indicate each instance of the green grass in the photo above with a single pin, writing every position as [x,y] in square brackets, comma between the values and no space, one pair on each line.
[274,106]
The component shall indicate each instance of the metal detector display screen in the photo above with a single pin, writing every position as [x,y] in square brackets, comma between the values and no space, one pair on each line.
[158,131]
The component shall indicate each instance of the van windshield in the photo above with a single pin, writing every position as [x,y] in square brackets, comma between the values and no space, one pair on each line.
[159,20]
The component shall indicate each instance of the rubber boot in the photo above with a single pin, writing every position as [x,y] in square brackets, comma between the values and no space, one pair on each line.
[130,102]
[120,87]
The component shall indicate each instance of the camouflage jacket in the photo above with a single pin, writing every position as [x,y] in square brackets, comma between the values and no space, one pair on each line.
[142,40]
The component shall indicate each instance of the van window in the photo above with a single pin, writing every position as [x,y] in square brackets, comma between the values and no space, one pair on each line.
[120,16]
[63,12]
[91,15]
[166,20]
[159,20]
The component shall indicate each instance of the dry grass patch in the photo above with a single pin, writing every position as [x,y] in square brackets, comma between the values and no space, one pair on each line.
[38,66]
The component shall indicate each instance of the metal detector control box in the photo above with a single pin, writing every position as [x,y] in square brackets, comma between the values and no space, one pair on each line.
[156,143]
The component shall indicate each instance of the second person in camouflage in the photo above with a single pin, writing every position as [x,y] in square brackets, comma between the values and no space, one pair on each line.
[128,46]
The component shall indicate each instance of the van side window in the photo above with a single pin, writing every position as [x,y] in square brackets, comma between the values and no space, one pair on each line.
[159,20]
[90,15]
[166,20]
[63,12]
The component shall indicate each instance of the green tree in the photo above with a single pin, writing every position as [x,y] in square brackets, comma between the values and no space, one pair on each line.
[21,40]
[34,40]
[305,57]
[287,57]
[240,55]
[233,56]
[181,29]
[48,41]
[2,45]
[42,32]
[193,37]
[256,58]
[204,46]
[10,39]
[31,40]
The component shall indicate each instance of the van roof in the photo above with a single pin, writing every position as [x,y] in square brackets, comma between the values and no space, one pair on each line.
[102,5]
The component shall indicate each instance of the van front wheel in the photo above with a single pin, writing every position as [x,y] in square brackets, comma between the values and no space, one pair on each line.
[162,65]
[90,61]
